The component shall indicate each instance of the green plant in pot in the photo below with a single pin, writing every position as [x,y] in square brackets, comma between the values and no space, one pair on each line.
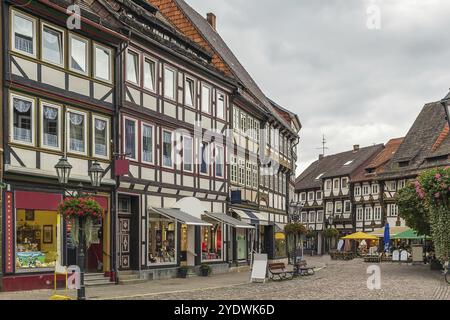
[182,271]
[205,270]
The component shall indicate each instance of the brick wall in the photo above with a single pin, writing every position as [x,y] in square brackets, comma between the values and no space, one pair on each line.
[171,12]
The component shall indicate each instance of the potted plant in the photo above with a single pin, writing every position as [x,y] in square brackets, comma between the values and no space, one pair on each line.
[182,271]
[205,270]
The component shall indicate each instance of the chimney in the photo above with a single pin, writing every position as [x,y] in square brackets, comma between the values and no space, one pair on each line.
[320,156]
[355,147]
[211,18]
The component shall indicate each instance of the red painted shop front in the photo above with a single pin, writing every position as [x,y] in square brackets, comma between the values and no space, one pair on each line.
[34,239]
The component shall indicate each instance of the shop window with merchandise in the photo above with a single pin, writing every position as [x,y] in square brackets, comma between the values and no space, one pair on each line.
[212,241]
[161,239]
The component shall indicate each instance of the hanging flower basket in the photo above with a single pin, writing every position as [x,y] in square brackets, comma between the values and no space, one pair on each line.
[330,233]
[295,228]
[82,211]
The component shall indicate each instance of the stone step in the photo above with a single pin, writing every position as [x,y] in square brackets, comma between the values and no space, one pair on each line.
[97,283]
[125,272]
[128,276]
[131,281]
[95,277]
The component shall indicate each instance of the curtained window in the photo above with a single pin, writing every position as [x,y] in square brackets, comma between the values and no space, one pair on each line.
[147,143]
[77,135]
[130,138]
[167,149]
[23,33]
[50,126]
[101,137]
[22,120]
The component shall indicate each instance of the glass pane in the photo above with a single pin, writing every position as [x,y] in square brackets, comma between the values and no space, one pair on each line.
[101,137]
[23,34]
[219,162]
[169,83]
[102,63]
[204,154]
[167,149]
[161,239]
[241,244]
[189,92]
[132,67]
[221,106]
[52,45]
[206,97]
[147,143]
[149,75]
[22,120]
[36,240]
[50,127]
[212,242]
[78,55]
[130,138]
[187,153]
[76,129]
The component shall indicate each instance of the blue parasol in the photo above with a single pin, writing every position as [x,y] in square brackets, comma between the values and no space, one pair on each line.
[387,237]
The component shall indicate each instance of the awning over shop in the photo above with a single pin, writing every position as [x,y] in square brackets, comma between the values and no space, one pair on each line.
[181,216]
[252,217]
[360,236]
[229,220]
[392,230]
[409,234]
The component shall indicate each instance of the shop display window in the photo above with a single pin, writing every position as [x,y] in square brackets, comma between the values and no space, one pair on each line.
[161,239]
[280,245]
[36,239]
[241,244]
[212,242]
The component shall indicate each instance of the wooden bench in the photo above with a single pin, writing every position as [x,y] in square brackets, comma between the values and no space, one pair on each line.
[302,269]
[278,270]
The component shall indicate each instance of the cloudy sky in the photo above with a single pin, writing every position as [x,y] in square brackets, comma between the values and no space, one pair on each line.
[318,58]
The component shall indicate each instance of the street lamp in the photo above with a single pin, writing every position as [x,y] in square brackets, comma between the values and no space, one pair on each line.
[446,105]
[63,168]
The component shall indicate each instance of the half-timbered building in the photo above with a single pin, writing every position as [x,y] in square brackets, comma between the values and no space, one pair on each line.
[58,99]
[425,146]
[370,208]
[261,203]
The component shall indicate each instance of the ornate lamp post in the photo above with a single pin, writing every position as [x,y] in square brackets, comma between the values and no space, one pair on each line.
[63,168]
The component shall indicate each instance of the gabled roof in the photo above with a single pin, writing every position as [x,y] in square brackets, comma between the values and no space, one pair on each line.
[427,144]
[340,164]
[219,45]
[378,163]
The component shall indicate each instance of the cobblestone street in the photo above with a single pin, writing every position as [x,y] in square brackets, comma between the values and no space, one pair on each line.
[334,280]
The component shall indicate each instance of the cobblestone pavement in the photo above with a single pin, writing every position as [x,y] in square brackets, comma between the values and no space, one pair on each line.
[345,280]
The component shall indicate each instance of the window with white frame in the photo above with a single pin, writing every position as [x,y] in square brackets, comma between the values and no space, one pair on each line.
[52,45]
[347,206]
[219,163]
[78,54]
[312,216]
[189,92]
[147,143]
[205,157]
[338,207]
[392,185]
[329,207]
[368,213]
[149,74]
[319,195]
[328,185]
[357,190]
[235,119]
[101,136]
[50,126]
[311,196]
[336,184]
[320,216]
[249,174]
[375,189]
[167,152]
[366,190]
[344,183]
[102,62]
[130,141]
[169,83]
[241,163]
[243,121]
[305,217]
[255,176]
[234,169]
[77,131]
[359,214]
[188,154]
[401,184]
[377,213]
[303,196]
[132,67]
[220,105]
[23,34]
[206,99]
[393,210]
[22,115]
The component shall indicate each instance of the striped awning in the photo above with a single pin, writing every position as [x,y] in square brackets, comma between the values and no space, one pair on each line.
[252,217]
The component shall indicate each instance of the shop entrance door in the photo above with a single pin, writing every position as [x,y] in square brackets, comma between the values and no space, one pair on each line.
[128,246]
[124,243]
[95,251]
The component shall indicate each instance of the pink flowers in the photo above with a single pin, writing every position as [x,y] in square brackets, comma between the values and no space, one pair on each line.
[438,176]
[419,190]
[437,195]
